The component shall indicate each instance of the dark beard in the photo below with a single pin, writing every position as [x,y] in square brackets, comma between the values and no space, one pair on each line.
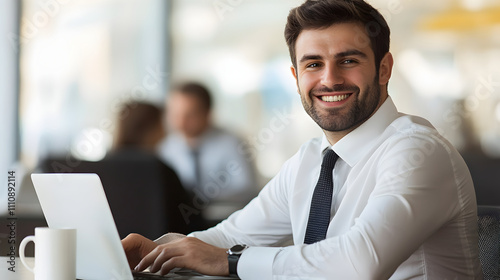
[333,120]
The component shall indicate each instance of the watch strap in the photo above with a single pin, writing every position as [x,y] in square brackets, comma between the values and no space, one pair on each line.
[233,264]
[233,256]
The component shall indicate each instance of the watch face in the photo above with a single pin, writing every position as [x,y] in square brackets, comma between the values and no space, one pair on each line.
[238,249]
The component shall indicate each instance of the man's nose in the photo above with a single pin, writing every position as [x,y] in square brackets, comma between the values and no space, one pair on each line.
[331,76]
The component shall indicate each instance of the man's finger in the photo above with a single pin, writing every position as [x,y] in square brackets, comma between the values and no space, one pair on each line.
[167,252]
[130,245]
[171,264]
[148,259]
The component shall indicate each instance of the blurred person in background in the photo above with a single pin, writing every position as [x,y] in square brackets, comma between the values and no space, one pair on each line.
[139,131]
[206,157]
[139,128]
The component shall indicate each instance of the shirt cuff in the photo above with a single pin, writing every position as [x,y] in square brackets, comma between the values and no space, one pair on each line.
[257,263]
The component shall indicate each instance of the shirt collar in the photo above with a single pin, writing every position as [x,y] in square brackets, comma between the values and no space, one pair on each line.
[352,147]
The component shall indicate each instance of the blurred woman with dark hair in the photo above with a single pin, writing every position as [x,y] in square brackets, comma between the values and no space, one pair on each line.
[142,181]
[139,125]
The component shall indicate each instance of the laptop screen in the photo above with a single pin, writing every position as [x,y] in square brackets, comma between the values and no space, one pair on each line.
[78,201]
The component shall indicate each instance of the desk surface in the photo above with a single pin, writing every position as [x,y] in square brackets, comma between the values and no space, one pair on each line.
[21,273]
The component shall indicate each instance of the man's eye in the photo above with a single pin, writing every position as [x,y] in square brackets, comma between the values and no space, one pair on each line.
[312,65]
[348,61]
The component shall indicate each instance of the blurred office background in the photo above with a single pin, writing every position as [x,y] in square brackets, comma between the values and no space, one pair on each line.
[67,65]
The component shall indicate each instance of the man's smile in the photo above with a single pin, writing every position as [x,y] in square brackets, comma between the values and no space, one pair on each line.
[335,98]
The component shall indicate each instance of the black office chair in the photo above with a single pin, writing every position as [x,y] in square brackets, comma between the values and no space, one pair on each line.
[484,172]
[489,240]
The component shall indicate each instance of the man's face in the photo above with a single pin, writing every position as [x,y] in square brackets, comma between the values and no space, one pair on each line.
[187,115]
[336,76]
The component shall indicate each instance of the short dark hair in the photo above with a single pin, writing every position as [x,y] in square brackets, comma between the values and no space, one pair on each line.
[135,121]
[318,14]
[196,90]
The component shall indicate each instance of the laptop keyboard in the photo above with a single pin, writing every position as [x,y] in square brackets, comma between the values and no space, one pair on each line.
[171,275]
[177,275]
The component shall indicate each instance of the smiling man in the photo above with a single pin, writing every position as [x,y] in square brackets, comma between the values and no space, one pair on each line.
[381,195]
[336,76]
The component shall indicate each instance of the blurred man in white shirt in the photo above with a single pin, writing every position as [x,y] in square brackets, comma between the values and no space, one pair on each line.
[206,158]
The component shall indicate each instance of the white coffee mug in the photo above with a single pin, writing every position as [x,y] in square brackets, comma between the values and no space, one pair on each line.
[55,253]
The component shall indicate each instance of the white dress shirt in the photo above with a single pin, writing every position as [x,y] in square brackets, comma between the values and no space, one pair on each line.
[404,208]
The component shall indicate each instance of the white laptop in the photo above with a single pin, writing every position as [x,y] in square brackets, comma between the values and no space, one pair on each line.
[78,201]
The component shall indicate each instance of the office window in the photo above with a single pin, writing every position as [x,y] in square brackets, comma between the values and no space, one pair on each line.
[79,61]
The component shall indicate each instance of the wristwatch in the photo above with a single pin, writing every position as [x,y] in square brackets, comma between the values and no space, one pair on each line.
[233,256]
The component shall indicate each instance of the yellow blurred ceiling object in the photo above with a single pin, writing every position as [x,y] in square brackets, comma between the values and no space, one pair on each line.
[460,19]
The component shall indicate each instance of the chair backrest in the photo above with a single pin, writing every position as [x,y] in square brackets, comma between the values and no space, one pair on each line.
[489,240]
[141,193]
[484,172]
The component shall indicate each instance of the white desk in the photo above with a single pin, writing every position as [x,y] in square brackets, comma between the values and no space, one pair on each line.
[21,273]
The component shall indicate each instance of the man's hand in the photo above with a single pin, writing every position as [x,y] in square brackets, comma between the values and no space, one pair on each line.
[188,252]
[136,247]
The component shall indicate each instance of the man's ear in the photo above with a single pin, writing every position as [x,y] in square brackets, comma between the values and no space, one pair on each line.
[294,73]
[385,70]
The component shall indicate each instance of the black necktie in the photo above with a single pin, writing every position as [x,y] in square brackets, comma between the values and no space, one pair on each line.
[321,203]
[195,154]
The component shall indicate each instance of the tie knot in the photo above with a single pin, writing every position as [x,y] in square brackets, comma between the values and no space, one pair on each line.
[329,159]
